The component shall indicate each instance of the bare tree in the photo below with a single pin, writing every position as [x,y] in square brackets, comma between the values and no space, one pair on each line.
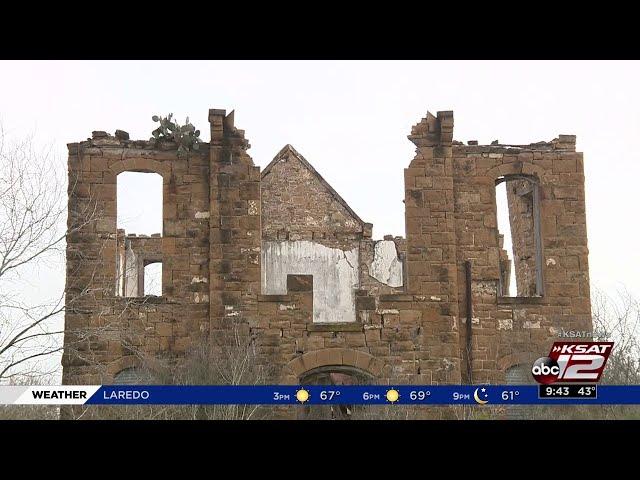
[30,412]
[231,358]
[616,318]
[32,232]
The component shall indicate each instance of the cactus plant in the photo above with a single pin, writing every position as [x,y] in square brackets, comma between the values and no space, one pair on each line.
[186,136]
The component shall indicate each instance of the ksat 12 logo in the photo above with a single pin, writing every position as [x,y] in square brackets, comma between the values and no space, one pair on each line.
[572,362]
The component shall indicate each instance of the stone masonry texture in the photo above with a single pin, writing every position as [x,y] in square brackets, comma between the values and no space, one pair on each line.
[220,211]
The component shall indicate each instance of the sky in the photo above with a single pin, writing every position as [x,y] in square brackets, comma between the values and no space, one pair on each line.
[350,119]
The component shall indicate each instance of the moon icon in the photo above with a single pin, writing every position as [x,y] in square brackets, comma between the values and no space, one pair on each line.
[477,398]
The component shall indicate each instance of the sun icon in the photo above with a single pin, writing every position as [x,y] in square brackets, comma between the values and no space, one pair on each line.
[393,395]
[302,395]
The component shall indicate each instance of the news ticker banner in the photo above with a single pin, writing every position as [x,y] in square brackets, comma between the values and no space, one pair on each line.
[553,394]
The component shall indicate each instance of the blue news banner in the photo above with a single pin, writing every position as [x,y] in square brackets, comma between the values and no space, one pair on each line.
[555,394]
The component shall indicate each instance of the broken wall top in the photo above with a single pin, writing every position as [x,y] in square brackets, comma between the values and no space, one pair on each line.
[101,139]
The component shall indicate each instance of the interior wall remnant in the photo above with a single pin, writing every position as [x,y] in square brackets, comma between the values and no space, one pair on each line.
[120,262]
[386,266]
[134,254]
[335,276]
[505,267]
[131,272]
[520,197]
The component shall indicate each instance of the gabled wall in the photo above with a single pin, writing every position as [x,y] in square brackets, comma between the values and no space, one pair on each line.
[298,204]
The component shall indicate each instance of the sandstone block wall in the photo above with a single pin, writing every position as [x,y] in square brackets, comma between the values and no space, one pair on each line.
[105,332]
[221,213]
[510,331]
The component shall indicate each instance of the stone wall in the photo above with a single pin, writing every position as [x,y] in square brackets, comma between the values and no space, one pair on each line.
[234,235]
[511,331]
[105,333]
[227,227]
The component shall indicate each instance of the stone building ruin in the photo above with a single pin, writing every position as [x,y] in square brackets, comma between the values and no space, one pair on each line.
[279,252]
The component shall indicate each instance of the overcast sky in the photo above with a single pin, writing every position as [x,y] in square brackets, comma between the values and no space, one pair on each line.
[351,119]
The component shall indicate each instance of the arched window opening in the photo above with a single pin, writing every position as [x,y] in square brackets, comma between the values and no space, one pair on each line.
[519,236]
[139,203]
[139,234]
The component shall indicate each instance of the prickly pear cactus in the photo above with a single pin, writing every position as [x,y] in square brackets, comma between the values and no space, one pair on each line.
[186,136]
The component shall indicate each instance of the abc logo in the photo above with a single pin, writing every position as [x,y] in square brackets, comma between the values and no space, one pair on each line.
[545,370]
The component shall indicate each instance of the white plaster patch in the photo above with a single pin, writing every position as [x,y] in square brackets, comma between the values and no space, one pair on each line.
[373,327]
[475,321]
[197,279]
[486,289]
[200,298]
[335,276]
[202,214]
[253,207]
[496,155]
[386,266]
[388,311]
[530,324]
[505,324]
[446,364]
[435,299]
[551,261]
[351,224]
[310,221]
[286,307]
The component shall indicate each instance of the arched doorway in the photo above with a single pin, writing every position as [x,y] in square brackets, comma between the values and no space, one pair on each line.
[332,375]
